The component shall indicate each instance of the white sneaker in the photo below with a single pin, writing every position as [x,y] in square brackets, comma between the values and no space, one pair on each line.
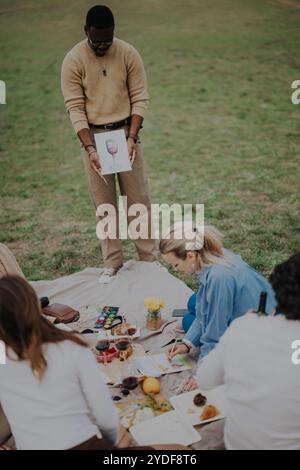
[108,275]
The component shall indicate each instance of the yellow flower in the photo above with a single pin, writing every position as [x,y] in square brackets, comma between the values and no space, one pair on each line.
[153,304]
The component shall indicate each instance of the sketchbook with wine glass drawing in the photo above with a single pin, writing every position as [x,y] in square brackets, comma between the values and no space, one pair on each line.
[113,152]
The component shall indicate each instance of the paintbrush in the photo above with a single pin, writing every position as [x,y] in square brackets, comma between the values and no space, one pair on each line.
[101,176]
[172,349]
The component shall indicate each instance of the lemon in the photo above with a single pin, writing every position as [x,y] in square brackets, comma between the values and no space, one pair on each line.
[151,385]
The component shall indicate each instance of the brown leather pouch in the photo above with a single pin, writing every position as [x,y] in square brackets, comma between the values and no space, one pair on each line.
[62,313]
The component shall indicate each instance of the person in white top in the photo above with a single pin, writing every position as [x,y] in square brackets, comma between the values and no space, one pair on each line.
[51,388]
[258,360]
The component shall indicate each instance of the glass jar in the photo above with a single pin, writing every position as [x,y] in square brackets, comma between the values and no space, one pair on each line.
[154,320]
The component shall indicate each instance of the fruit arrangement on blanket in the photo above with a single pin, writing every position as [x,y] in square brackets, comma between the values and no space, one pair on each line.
[152,404]
[141,409]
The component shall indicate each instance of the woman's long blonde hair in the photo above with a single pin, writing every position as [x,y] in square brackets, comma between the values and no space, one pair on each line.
[206,242]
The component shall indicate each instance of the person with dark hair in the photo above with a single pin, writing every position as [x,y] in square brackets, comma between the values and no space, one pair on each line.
[255,360]
[105,88]
[99,17]
[51,388]
[285,280]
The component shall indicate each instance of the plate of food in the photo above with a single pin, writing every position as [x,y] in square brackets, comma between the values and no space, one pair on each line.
[199,407]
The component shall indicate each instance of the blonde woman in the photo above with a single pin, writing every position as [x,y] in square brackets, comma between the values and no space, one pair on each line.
[228,286]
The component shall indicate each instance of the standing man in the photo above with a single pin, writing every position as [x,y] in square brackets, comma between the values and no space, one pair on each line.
[105,88]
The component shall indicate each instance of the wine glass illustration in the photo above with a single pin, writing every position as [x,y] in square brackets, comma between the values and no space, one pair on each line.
[112,148]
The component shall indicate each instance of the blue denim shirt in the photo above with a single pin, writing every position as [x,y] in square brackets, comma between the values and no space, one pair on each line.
[225,292]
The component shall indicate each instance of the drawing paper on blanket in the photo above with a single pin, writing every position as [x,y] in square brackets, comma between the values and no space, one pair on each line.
[158,364]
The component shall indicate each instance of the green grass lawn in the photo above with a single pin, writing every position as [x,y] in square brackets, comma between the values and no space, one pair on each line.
[220,130]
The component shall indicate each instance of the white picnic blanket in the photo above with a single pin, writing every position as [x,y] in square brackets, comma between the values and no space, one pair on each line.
[133,283]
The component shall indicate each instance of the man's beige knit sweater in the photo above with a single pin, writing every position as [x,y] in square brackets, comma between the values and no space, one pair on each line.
[102,90]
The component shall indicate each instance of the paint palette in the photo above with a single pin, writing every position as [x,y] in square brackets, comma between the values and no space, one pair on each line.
[106,318]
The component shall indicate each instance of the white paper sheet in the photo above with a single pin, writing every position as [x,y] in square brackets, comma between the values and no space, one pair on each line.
[167,428]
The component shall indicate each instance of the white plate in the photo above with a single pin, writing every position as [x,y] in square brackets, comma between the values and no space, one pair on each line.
[168,428]
[184,405]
